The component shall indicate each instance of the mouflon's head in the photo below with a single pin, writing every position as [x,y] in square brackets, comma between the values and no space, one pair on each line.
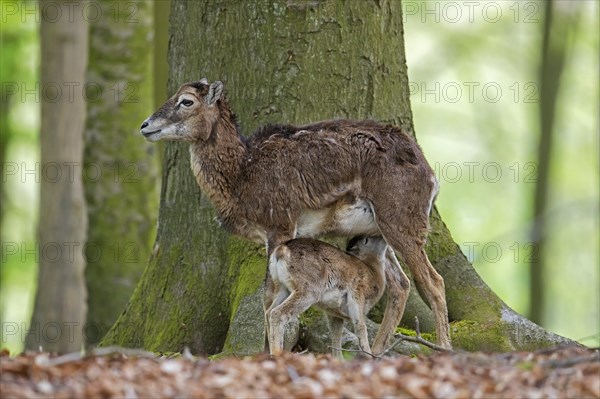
[189,115]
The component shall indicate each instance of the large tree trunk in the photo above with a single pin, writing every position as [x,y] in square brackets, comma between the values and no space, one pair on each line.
[59,313]
[283,62]
[121,171]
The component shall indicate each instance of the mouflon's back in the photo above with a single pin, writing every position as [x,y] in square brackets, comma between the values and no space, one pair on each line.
[316,164]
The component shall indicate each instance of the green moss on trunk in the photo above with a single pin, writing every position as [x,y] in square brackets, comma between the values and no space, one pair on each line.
[474,336]
[247,267]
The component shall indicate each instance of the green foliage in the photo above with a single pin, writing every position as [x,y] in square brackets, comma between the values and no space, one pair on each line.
[470,137]
[19,123]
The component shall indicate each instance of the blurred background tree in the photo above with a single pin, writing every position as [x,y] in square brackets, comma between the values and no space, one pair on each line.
[482,141]
[121,183]
[557,29]
[60,301]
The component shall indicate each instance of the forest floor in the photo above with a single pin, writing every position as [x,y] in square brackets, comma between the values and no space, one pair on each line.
[569,372]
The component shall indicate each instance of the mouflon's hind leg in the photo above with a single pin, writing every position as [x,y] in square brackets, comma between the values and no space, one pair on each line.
[412,252]
[403,219]
[397,287]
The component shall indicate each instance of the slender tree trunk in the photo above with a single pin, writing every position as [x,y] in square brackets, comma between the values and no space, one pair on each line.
[554,42]
[59,313]
[120,170]
[4,140]
[292,62]
[160,71]
[162,10]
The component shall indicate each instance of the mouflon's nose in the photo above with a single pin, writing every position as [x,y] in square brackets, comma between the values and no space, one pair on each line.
[144,124]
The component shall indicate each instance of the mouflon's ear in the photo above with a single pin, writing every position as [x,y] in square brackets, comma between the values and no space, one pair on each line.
[204,81]
[214,92]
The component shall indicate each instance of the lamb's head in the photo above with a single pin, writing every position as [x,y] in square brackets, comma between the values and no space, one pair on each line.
[189,115]
[367,247]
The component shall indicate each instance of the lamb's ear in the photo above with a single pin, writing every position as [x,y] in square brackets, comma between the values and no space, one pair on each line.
[214,92]
[204,81]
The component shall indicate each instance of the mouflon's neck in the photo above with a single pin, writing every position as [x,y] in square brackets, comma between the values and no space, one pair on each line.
[218,161]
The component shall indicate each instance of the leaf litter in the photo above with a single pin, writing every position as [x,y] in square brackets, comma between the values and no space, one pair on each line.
[565,372]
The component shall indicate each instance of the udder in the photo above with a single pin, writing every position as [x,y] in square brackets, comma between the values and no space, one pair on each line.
[347,217]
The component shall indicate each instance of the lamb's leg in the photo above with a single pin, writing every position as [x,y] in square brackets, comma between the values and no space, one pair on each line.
[293,305]
[356,312]
[281,296]
[268,297]
[269,293]
[360,328]
[336,325]
[397,288]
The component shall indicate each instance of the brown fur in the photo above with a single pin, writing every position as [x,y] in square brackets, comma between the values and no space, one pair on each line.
[263,186]
[307,272]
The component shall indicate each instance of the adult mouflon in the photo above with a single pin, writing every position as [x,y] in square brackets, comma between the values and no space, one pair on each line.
[335,177]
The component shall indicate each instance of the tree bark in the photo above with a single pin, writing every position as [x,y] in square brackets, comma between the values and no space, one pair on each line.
[291,62]
[59,312]
[121,171]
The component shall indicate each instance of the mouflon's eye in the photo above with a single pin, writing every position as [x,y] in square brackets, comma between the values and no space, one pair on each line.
[186,103]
